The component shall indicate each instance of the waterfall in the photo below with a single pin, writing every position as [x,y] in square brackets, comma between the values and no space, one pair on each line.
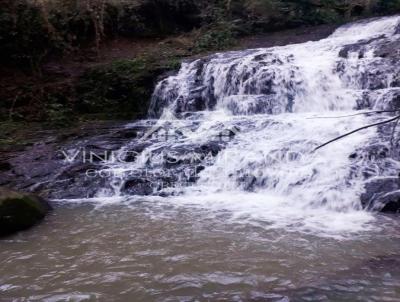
[237,130]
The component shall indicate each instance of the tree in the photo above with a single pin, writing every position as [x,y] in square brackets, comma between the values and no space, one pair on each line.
[96,9]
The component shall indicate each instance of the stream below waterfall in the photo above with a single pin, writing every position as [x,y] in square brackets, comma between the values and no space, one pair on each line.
[221,196]
[153,251]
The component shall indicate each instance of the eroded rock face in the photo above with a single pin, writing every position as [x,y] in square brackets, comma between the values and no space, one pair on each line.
[382,187]
[19,211]
[359,48]
[377,73]
[170,168]
[398,30]
[172,158]
[382,195]
[379,76]
[64,165]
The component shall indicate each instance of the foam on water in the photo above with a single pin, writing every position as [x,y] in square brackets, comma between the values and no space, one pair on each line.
[283,101]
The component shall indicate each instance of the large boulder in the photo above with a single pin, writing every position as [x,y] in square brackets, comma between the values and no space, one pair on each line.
[19,211]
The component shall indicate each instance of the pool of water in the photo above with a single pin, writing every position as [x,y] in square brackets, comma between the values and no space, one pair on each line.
[155,251]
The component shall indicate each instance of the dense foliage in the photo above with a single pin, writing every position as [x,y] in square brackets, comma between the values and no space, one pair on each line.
[33,32]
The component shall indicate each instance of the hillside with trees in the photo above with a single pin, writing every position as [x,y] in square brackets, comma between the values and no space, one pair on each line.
[57,63]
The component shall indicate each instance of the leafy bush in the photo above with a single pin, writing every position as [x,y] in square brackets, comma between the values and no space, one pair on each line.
[391,6]
[218,38]
[30,32]
[122,88]
[25,37]
[58,115]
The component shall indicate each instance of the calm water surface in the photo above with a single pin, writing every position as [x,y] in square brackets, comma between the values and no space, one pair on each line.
[158,252]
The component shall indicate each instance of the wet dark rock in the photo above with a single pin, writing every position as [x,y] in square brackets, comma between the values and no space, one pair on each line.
[390,202]
[19,211]
[172,160]
[96,153]
[172,167]
[364,102]
[344,53]
[253,104]
[198,90]
[128,133]
[390,49]
[80,180]
[228,134]
[199,169]
[397,31]
[261,57]
[210,148]
[130,155]
[378,74]
[394,103]
[373,152]
[386,100]
[199,97]
[139,186]
[395,81]
[382,195]
[44,169]
[5,166]
[248,182]
[358,47]
[5,179]
[77,168]
[193,104]
[185,155]
[374,79]
[353,155]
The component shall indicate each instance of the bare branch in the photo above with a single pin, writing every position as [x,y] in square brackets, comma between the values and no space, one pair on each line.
[362,113]
[357,130]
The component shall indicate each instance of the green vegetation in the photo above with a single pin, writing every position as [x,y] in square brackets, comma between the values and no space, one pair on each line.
[122,88]
[217,38]
[35,32]
[31,31]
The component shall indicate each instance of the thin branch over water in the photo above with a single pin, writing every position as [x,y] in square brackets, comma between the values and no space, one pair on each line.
[357,130]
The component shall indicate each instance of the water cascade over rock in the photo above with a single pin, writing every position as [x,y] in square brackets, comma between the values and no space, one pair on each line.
[238,129]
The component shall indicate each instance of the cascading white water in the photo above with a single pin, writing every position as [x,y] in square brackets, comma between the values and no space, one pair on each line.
[223,198]
[294,78]
[282,102]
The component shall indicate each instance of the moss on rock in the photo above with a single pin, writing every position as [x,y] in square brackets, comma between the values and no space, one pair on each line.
[19,211]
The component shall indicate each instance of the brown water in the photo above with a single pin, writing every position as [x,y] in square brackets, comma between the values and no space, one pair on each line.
[153,252]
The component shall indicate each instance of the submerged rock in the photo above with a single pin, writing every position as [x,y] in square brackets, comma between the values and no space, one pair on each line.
[19,211]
